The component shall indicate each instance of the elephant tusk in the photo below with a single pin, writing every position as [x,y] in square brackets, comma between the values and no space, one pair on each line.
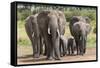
[49,31]
[33,34]
[58,32]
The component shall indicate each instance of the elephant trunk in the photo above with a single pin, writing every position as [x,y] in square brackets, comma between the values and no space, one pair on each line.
[55,42]
[83,44]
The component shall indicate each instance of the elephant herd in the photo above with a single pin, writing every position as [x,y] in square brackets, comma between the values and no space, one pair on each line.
[46,32]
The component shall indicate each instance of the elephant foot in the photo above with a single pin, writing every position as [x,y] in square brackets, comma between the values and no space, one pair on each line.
[72,54]
[78,53]
[44,54]
[61,55]
[68,54]
[84,51]
[49,58]
[36,56]
[57,59]
[64,54]
[81,53]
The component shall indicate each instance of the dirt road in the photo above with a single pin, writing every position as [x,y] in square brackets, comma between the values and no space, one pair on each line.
[25,56]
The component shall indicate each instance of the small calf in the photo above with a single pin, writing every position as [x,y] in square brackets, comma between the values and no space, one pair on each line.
[68,45]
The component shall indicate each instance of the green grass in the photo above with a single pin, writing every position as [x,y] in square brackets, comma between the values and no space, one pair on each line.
[91,40]
[23,39]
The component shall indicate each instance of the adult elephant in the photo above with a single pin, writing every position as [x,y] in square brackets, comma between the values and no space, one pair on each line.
[32,31]
[79,28]
[51,25]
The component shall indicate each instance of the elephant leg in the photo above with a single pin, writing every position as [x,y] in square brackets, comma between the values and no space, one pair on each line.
[77,47]
[45,49]
[81,46]
[81,49]
[48,46]
[72,49]
[56,49]
[29,33]
[64,49]
[68,48]
[60,48]
[41,45]
[85,44]
[36,47]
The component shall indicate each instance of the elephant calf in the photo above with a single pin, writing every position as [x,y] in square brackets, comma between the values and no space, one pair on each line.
[68,45]
[71,45]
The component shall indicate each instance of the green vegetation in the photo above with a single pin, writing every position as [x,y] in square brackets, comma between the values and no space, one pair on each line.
[22,37]
[25,11]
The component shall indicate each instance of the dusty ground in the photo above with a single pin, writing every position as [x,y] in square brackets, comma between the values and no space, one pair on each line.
[25,56]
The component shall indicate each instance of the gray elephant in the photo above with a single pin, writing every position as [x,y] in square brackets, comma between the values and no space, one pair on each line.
[32,31]
[71,46]
[51,25]
[79,28]
[63,47]
[68,44]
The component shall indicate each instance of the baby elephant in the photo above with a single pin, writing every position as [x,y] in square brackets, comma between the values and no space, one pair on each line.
[68,45]
[71,45]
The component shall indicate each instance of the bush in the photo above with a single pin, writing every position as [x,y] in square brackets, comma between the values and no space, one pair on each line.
[69,14]
[89,13]
[23,41]
[94,30]
[23,15]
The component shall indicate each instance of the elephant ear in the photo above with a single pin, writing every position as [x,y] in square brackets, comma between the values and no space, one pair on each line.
[88,28]
[87,20]
[74,19]
[28,20]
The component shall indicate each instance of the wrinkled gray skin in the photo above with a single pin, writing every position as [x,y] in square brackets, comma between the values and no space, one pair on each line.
[32,31]
[63,48]
[68,45]
[51,25]
[79,28]
[71,46]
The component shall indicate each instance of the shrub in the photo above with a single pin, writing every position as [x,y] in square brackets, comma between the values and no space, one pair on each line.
[89,13]
[94,30]
[69,14]
[23,15]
